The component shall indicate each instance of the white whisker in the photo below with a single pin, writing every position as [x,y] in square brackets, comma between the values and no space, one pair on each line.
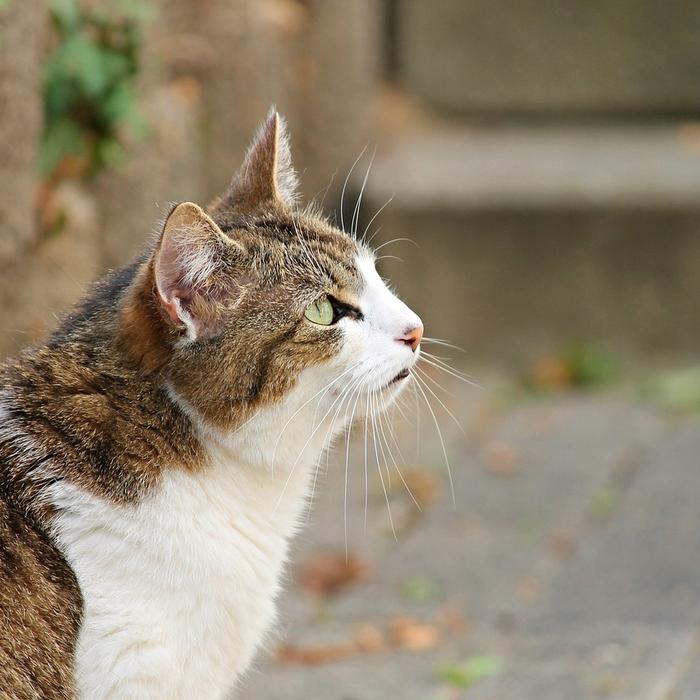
[371,221]
[395,240]
[440,341]
[306,403]
[379,469]
[356,213]
[396,466]
[438,399]
[345,184]
[442,443]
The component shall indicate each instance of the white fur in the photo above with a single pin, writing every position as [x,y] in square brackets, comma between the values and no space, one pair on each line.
[179,589]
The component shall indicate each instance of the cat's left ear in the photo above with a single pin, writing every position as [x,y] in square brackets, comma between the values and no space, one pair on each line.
[266,176]
[194,269]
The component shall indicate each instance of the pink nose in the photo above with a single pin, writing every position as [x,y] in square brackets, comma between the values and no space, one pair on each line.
[412,337]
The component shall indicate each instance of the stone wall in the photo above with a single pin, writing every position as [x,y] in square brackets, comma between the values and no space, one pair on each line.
[547,57]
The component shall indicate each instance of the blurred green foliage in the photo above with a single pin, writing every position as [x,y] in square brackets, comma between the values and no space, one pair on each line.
[418,590]
[675,390]
[471,671]
[89,85]
[576,366]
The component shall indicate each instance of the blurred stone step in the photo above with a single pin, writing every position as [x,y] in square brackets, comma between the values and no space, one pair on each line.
[528,237]
[545,56]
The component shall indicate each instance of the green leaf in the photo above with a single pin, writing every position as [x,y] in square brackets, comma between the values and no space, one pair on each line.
[135,9]
[111,153]
[82,60]
[419,589]
[65,13]
[676,390]
[591,366]
[119,103]
[89,82]
[62,138]
[473,670]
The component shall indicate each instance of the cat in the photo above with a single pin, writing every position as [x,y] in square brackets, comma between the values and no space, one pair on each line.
[156,451]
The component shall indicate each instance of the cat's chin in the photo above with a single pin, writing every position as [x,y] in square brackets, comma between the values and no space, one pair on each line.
[397,380]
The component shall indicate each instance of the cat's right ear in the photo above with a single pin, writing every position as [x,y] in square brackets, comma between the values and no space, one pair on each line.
[267,177]
[193,271]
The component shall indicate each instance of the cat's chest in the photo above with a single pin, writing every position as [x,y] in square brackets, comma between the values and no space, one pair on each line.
[179,590]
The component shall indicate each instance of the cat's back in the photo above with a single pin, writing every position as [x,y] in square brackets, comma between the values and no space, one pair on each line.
[40,608]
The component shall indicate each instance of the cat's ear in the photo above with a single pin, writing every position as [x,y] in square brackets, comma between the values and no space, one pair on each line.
[193,271]
[267,175]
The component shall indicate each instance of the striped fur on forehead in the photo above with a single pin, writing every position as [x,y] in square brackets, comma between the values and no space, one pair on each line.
[287,243]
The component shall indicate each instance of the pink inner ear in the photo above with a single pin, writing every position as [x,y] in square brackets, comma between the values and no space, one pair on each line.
[168,275]
[175,302]
[192,284]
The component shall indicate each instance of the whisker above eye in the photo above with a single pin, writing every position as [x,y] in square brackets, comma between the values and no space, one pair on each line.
[371,221]
[345,184]
[356,213]
[395,240]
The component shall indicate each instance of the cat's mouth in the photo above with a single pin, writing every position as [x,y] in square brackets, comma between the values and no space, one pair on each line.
[398,378]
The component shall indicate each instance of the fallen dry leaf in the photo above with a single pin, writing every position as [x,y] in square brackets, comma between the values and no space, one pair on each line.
[500,458]
[527,588]
[403,633]
[370,638]
[330,572]
[562,547]
[452,620]
[408,633]
[424,485]
[316,655]
[552,373]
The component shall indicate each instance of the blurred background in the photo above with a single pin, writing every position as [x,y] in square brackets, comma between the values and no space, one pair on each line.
[531,172]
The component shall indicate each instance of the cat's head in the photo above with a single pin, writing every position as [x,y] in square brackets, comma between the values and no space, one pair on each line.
[252,303]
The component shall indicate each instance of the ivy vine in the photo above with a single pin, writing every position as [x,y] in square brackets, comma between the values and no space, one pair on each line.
[89,86]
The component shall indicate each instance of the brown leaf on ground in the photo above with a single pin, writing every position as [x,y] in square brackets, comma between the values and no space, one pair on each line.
[482,422]
[316,655]
[369,639]
[403,633]
[528,588]
[562,547]
[500,458]
[552,373]
[451,619]
[408,633]
[330,572]
[424,485]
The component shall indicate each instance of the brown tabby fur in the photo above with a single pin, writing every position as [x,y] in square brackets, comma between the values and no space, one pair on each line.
[91,405]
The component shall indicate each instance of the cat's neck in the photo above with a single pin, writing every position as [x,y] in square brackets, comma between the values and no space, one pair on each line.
[277,449]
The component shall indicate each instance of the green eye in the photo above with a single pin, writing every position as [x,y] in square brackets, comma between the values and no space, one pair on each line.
[320,312]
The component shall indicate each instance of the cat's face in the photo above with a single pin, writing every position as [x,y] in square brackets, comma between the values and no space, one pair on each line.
[267,306]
